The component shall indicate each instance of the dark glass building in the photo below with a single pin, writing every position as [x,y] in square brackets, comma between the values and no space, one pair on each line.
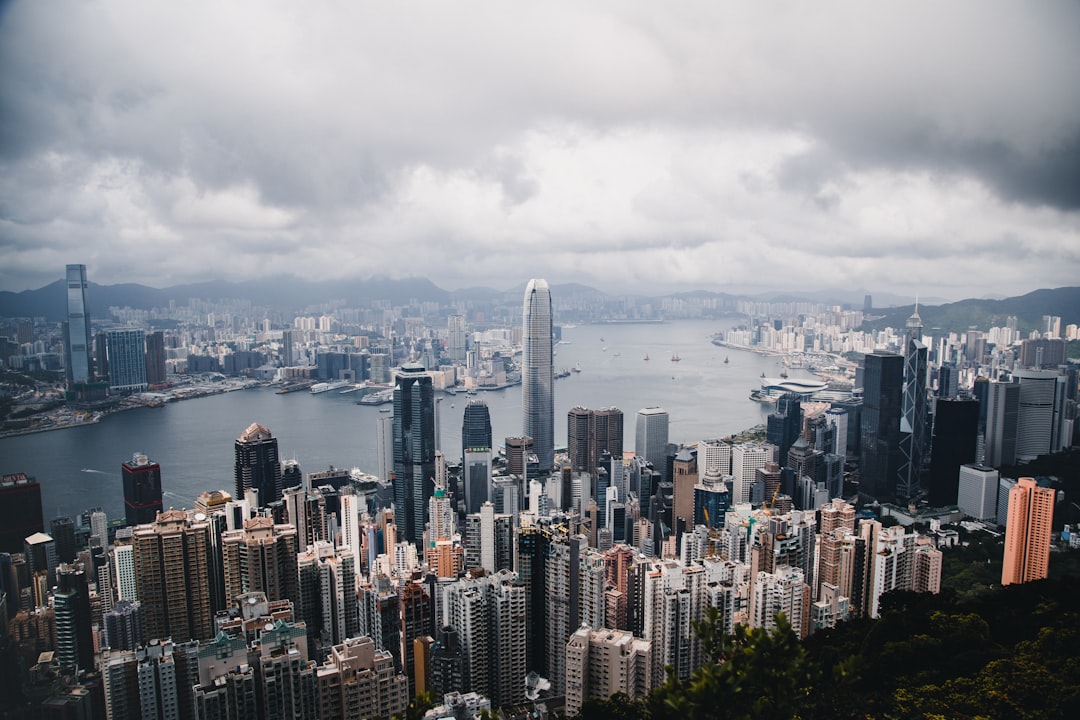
[956,430]
[257,464]
[476,426]
[883,381]
[142,490]
[414,450]
[20,511]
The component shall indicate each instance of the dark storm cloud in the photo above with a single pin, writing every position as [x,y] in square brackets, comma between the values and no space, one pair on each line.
[664,144]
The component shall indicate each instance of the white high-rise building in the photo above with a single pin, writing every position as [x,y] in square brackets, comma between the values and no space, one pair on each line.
[124,562]
[977,492]
[651,437]
[714,455]
[538,374]
[746,458]
[602,662]
[351,505]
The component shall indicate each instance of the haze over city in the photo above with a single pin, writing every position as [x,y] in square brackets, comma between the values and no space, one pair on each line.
[913,148]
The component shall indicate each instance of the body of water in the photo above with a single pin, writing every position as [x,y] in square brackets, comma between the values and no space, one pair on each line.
[79,468]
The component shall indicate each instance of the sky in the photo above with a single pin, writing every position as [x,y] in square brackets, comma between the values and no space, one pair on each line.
[907,147]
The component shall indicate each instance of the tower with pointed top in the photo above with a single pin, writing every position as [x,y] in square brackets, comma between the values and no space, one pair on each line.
[913,425]
[537,373]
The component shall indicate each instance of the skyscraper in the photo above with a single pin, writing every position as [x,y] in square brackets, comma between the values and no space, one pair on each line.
[20,510]
[1042,399]
[414,450]
[651,438]
[155,358]
[537,373]
[127,359]
[257,465]
[77,337]
[913,426]
[1002,410]
[1027,534]
[956,430]
[142,489]
[172,577]
[455,339]
[881,413]
[476,455]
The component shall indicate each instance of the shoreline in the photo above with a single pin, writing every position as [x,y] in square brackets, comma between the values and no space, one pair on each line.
[99,415]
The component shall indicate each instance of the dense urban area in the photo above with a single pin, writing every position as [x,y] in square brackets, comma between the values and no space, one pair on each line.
[900,538]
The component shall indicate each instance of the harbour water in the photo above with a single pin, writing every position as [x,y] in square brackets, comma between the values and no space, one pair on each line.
[79,468]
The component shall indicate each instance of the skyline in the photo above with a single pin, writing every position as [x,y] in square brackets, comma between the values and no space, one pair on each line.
[622,145]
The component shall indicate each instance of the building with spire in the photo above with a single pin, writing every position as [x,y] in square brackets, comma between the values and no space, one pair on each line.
[913,421]
[537,372]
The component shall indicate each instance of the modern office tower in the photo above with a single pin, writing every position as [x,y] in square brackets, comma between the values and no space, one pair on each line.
[476,425]
[327,594]
[684,478]
[62,530]
[602,662]
[947,381]
[854,409]
[71,603]
[746,458]
[1040,412]
[155,358]
[581,439]
[1002,416]
[838,418]
[257,464]
[77,336]
[651,437]
[288,348]
[260,558]
[1027,534]
[518,453]
[537,373]
[711,500]
[99,528]
[39,550]
[456,344]
[714,455]
[881,415]
[414,450]
[913,422]
[489,616]
[956,430]
[785,425]
[142,489]
[20,511]
[127,359]
[172,577]
[359,680]
[123,626]
[977,492]
[609,432]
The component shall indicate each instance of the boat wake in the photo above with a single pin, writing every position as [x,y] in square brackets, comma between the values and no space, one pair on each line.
[91,470]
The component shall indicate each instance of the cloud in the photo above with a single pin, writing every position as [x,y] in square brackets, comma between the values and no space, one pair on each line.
[621,144]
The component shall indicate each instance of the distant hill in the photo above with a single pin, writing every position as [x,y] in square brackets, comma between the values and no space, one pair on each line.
[959,316]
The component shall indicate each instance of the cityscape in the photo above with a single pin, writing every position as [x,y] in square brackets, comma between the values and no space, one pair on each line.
[512,575]
[539,361]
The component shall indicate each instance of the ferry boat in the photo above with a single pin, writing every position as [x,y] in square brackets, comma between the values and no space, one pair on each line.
[328,386]
[675,357]
[381,397]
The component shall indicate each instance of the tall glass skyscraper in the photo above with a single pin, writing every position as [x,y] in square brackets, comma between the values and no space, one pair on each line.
[77,335]
[651,436]
[537,373]
[476,455]
[257,464]
[882,410]
[414,450]
[127,360]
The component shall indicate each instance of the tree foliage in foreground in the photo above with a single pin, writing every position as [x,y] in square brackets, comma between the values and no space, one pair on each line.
[1010,653]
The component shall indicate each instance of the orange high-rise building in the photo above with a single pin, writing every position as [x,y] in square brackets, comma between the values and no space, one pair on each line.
[1027,534]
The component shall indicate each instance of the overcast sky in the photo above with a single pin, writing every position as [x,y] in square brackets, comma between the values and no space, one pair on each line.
[911,147]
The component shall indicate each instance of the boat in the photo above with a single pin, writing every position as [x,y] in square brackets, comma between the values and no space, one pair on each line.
[328,386]
[617,355]
[783,374]
[646,357]
[725,360]
[675,357]
[295,386]
[576,368]
[762,397]
[562,374]
[381,397]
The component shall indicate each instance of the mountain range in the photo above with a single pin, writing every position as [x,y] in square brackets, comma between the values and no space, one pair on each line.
[287,294]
